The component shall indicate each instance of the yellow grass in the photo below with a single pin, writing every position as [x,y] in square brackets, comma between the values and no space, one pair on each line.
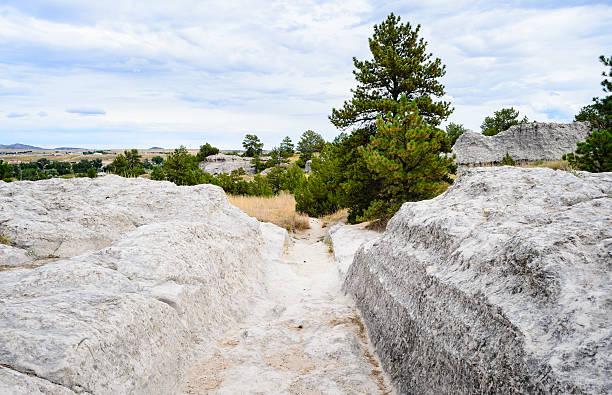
[280,210]
[332,219]
[551,164]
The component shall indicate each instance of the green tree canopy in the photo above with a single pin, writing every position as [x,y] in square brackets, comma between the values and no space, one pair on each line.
[181,167]
[599,114]
[501,121]
[453,131]
[405,157]
[595,154]
[206,150]
[310,142]
[252,145]
[157,160]
[400,66]
[286,147]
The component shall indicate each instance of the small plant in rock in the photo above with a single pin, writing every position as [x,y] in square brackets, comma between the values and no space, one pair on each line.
[4,240]
[507,160]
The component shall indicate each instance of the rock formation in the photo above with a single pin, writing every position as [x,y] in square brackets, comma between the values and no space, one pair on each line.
[529,142]
[109,281]
[221,163]
[345,240]
[500,285]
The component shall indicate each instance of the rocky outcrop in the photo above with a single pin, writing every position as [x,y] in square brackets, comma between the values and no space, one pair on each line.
[345,240]
[526,142]
[502,284]
[131,273]
[221,163]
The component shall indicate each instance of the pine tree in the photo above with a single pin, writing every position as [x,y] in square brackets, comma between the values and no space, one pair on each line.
[501,121]
[400,66]
[404,156]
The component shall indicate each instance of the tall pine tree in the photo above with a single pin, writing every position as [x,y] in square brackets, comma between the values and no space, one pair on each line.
[400,66]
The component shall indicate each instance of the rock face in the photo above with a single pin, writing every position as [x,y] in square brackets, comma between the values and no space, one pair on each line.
[221,163]
[345,240]
[502,284]
[530,142]
[139,270]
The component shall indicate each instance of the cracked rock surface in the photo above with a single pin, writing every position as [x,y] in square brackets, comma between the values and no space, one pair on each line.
[110,282]
[530,142]
[501,284]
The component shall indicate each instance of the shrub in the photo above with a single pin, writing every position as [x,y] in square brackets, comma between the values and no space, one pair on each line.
[594,154]
[507,160]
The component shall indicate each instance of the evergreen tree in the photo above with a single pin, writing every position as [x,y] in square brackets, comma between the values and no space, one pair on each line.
[400,66]
[595,154]
[181,168]
[501,121]
[286,147]
[405,156]
[206,150]
[507,160]
[453,131]
[252,145]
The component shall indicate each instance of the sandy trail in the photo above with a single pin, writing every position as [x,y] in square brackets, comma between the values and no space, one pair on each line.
[306,339]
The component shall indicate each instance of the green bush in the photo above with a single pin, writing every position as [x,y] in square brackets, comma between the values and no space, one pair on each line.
[507,160]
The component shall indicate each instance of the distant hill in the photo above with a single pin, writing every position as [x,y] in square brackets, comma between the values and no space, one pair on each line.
[18,146]
[156,148]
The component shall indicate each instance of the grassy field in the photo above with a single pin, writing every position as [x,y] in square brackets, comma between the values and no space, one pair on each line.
[279,210]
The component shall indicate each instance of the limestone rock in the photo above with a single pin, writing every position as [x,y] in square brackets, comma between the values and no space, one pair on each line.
[11,257]
[221,163]
[150,269]
[501,284]
[345,240]
[530,142]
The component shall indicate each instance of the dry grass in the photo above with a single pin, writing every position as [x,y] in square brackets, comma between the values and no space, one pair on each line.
[332,219]
[551,164]
[4,240]
[280,210]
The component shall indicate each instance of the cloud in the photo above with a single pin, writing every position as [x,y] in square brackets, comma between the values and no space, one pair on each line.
[211,71]
[85,111]
[16,115]
[42,114]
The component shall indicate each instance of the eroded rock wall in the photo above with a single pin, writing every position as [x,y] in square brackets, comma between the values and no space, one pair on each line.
[502,284]
[526,142]
[221,163]
[120,277]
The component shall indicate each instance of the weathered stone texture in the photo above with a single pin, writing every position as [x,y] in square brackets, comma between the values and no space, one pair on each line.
[502,284]
[221,163]
[529,142]
[147,269]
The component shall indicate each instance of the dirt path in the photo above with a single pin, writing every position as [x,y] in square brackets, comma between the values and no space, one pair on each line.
[308,339]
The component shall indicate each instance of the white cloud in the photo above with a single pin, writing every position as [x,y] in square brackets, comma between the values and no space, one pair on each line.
[190,71]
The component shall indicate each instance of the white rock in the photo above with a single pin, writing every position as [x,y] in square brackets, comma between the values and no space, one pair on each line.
[345,240]
[531,142]
[502,284]
[157,268]
[221,163]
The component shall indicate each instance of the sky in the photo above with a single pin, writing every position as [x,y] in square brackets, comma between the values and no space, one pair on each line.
[124,74]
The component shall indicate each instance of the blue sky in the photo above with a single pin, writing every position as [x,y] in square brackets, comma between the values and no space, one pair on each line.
[106,74]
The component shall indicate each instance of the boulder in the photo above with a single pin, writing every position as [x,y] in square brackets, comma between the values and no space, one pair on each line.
[221,163]
[147,270]
[525,142]
[500,285]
